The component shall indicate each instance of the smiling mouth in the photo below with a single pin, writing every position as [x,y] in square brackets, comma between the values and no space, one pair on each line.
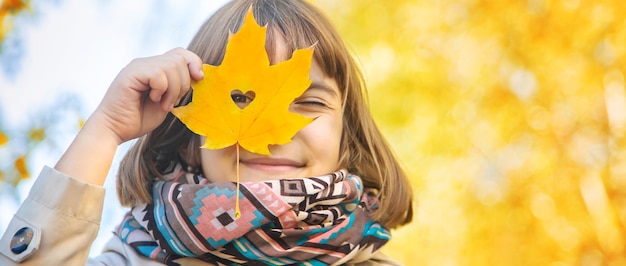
[271,164]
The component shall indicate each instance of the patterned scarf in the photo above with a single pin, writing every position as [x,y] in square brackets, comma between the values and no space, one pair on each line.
[320,220]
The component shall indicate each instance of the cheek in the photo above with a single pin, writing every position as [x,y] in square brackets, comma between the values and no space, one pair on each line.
[213,165]
[325,139]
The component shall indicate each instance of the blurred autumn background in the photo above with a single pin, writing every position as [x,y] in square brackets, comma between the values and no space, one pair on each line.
[509,116]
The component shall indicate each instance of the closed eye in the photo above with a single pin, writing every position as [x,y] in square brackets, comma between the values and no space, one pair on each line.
[317,98]
[307,102]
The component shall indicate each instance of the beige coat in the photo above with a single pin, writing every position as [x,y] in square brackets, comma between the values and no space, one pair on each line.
[58,222]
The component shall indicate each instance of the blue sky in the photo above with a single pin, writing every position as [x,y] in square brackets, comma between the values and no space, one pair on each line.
[73,47]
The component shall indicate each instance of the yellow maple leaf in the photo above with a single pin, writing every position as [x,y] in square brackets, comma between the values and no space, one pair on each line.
[246,68]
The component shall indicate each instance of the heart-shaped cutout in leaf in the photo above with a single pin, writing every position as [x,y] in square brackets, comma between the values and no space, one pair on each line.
[242,99]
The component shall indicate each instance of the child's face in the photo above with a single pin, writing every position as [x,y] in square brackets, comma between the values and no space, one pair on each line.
[313,151]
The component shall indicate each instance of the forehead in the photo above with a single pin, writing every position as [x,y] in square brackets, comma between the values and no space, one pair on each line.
[282,40]
[276,46]
[279,50]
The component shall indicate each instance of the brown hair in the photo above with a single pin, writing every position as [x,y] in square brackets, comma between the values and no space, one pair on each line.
[363,149]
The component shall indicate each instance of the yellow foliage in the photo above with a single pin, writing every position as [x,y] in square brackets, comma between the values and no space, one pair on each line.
[37,134]
[22,169]
[8,9]
[4,139]
[510,117]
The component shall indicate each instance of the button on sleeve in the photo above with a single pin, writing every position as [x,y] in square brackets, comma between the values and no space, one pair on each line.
[20,240]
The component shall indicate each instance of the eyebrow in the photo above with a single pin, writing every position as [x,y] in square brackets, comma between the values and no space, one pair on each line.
[323,87]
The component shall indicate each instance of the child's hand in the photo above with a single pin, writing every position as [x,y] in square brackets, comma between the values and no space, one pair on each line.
[137,102]
[145,91]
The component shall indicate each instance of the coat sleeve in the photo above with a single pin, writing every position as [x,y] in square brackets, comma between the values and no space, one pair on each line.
[56,224]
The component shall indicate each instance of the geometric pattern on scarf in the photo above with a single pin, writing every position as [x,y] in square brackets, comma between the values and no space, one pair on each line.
[320,220]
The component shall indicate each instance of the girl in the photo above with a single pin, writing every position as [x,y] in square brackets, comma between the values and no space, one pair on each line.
[327,197]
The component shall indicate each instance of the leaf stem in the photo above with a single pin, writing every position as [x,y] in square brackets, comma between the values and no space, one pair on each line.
[237,211]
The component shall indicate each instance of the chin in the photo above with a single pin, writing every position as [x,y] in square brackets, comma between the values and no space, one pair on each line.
[271,173]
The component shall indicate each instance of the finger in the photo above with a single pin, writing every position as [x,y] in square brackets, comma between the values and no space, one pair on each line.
[173,88]
[195,68]
[194,63]
[158,83]
[185,81]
